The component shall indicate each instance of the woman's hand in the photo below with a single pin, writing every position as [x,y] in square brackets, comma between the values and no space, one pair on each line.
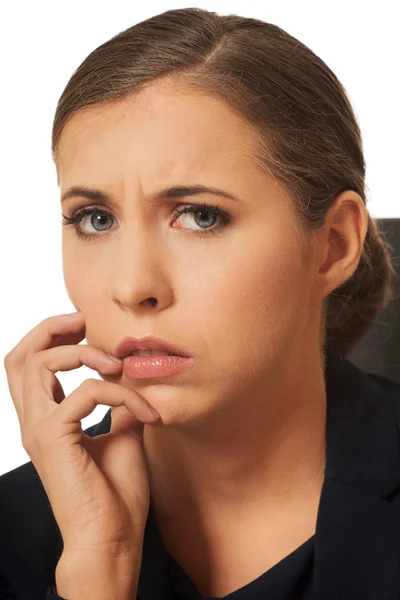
[98,487]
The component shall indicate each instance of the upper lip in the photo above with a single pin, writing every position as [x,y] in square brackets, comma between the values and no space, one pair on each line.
[131,343]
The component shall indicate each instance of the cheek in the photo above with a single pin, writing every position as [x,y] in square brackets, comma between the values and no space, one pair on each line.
[265,277]
[75,284]
[256,304]
[72,274]
[85,273]
[86,290]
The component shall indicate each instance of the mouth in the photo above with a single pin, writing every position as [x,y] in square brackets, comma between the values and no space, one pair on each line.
[151,353]
[147,346]
[158,365]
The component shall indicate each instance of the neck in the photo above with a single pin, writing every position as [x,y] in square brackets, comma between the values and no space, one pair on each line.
[268,451]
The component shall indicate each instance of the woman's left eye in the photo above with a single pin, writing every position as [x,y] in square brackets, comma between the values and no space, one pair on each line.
[200,212]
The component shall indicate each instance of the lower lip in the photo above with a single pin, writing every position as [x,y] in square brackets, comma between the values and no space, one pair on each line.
[145,367]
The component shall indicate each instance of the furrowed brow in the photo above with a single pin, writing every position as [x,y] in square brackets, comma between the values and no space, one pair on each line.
[162,196]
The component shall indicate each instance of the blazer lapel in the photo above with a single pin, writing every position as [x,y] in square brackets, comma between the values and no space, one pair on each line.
[154,582]
[357,540]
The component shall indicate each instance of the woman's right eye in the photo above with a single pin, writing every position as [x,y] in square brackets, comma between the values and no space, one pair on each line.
[80,215]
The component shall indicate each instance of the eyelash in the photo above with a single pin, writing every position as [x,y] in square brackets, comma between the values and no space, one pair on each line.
[194,209]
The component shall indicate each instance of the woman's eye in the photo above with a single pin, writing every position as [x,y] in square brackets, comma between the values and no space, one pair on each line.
[96,220]
[95,217]
[205,217]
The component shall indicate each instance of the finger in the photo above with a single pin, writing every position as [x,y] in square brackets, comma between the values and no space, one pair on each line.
[92,392]
[40,382]
[47,386]
[44,334]
[52,331]
[41,367]
[124,421]
[65,420]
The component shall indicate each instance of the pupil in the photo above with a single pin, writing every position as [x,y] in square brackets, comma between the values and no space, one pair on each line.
[98,218]
[201,213]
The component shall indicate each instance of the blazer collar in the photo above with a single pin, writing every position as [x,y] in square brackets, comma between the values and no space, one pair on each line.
[357,540]
[361,433]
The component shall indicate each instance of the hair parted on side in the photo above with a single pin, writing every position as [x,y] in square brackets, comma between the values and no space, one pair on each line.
[307,134]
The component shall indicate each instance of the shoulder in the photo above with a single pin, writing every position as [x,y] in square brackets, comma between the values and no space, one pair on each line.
[391,388]
[31,542]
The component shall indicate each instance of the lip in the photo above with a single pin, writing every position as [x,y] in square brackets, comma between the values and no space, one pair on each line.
[150,367]
[130,344]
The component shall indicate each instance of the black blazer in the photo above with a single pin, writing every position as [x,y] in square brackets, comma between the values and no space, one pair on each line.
[357,540]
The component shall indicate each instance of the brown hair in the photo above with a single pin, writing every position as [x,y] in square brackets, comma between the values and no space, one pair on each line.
[306,131]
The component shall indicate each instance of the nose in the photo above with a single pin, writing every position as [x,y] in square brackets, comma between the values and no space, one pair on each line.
[141,269]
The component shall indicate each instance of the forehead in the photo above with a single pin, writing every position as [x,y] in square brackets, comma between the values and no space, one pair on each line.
[164,130]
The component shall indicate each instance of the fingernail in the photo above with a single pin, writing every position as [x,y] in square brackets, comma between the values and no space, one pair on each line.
[153,410]
[114,358]
[74,314]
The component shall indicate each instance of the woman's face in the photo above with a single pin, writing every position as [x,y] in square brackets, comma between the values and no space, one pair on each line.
[237,298]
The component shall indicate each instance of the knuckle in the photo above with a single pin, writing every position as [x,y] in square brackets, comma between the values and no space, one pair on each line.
[26,440]
[7,360]
[48,320]
[11,358]
[90,386]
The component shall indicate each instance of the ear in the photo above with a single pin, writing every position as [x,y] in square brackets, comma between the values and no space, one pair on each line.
[340,242]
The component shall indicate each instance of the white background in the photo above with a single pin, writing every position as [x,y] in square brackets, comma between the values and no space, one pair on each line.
[42,43]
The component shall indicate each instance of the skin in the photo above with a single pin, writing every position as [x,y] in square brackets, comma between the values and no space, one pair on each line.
[238,459]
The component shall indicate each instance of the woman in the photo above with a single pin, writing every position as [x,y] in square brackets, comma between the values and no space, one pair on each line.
[212,181]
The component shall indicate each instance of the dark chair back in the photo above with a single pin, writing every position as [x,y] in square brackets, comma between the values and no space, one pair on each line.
[379,351]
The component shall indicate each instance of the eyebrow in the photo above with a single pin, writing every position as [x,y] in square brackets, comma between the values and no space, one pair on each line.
[163,195]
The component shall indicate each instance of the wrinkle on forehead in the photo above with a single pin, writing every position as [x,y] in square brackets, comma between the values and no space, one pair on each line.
[176,126]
